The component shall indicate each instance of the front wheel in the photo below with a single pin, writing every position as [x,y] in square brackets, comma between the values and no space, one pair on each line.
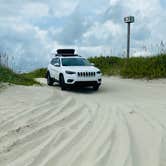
[49,79]
[62,82]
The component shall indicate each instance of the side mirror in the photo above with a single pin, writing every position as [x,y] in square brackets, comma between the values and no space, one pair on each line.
[57,65]
[92,64]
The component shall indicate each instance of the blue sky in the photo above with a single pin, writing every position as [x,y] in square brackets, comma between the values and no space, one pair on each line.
[30,30]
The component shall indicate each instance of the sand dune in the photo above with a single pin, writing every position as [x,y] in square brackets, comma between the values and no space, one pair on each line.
[123,124]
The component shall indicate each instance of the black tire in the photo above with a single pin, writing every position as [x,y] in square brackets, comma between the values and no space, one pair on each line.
[96,87]
[50,80]
[62,82]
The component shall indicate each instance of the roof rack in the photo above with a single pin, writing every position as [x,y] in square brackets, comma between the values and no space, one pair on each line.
[66,52]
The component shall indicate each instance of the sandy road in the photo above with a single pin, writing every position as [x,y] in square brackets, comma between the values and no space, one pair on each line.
[123,124]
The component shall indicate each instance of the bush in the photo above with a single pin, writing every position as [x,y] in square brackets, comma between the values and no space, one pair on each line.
[135,67]
[108,65]
[7,75]
[38,73]
[150,67]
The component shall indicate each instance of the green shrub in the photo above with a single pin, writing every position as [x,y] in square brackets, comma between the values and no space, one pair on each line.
[7,75]
[108,65]
[150,67]
[38,73]
[135,67]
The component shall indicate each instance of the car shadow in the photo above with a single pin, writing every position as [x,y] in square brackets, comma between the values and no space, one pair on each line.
[83,90]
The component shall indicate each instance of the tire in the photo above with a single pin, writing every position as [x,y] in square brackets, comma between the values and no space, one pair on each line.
[96,87]
[62,82]
[50,80]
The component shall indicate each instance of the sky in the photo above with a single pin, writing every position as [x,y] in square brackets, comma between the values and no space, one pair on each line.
[32,30]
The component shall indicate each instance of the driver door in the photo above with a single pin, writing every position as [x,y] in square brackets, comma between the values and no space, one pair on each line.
[55,68]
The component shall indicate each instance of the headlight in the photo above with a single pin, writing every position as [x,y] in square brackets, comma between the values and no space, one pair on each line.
[98,72]
[70,72]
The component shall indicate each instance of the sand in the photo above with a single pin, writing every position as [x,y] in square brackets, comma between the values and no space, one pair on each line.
[123,124]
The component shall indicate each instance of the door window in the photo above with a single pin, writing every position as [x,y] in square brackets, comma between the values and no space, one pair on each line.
[55,61]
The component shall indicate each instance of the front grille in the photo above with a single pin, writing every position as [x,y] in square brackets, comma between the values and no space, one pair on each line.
[86,74]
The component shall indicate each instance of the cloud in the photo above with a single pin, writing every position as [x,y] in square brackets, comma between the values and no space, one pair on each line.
[31,30]
[102,33]
[73,30]
[141,33]
[34,9]
[62,8]
[27,44]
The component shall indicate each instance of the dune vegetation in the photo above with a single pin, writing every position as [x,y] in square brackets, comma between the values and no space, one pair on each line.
[9,76]
[38,73]
[135,67]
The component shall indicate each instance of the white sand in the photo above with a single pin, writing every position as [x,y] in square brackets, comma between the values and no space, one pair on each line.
[123,124]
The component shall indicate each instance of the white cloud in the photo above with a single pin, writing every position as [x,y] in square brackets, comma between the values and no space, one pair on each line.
[141,53]
[102,30]
[34,9]
[92,27]
[114,2]
[28,44]
[63,8]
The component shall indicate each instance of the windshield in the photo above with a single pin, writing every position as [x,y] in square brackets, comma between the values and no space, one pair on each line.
[75,62]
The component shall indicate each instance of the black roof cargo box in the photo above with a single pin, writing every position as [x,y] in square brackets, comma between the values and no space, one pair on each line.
[66,52]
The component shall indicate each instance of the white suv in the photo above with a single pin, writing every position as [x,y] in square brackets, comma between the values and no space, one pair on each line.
[69,69]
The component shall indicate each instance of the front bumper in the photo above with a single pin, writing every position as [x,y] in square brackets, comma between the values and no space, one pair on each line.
[85,83]
[74,79]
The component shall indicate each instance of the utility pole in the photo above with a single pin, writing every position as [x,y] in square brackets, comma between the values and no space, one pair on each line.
[128,20]
[128,40]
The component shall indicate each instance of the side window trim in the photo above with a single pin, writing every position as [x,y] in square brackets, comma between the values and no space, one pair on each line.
[55,60]
[59,62]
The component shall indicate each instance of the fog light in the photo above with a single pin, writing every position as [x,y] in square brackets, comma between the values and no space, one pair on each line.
[70,80]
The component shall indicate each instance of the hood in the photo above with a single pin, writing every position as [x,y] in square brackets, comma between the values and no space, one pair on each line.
[81,68]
